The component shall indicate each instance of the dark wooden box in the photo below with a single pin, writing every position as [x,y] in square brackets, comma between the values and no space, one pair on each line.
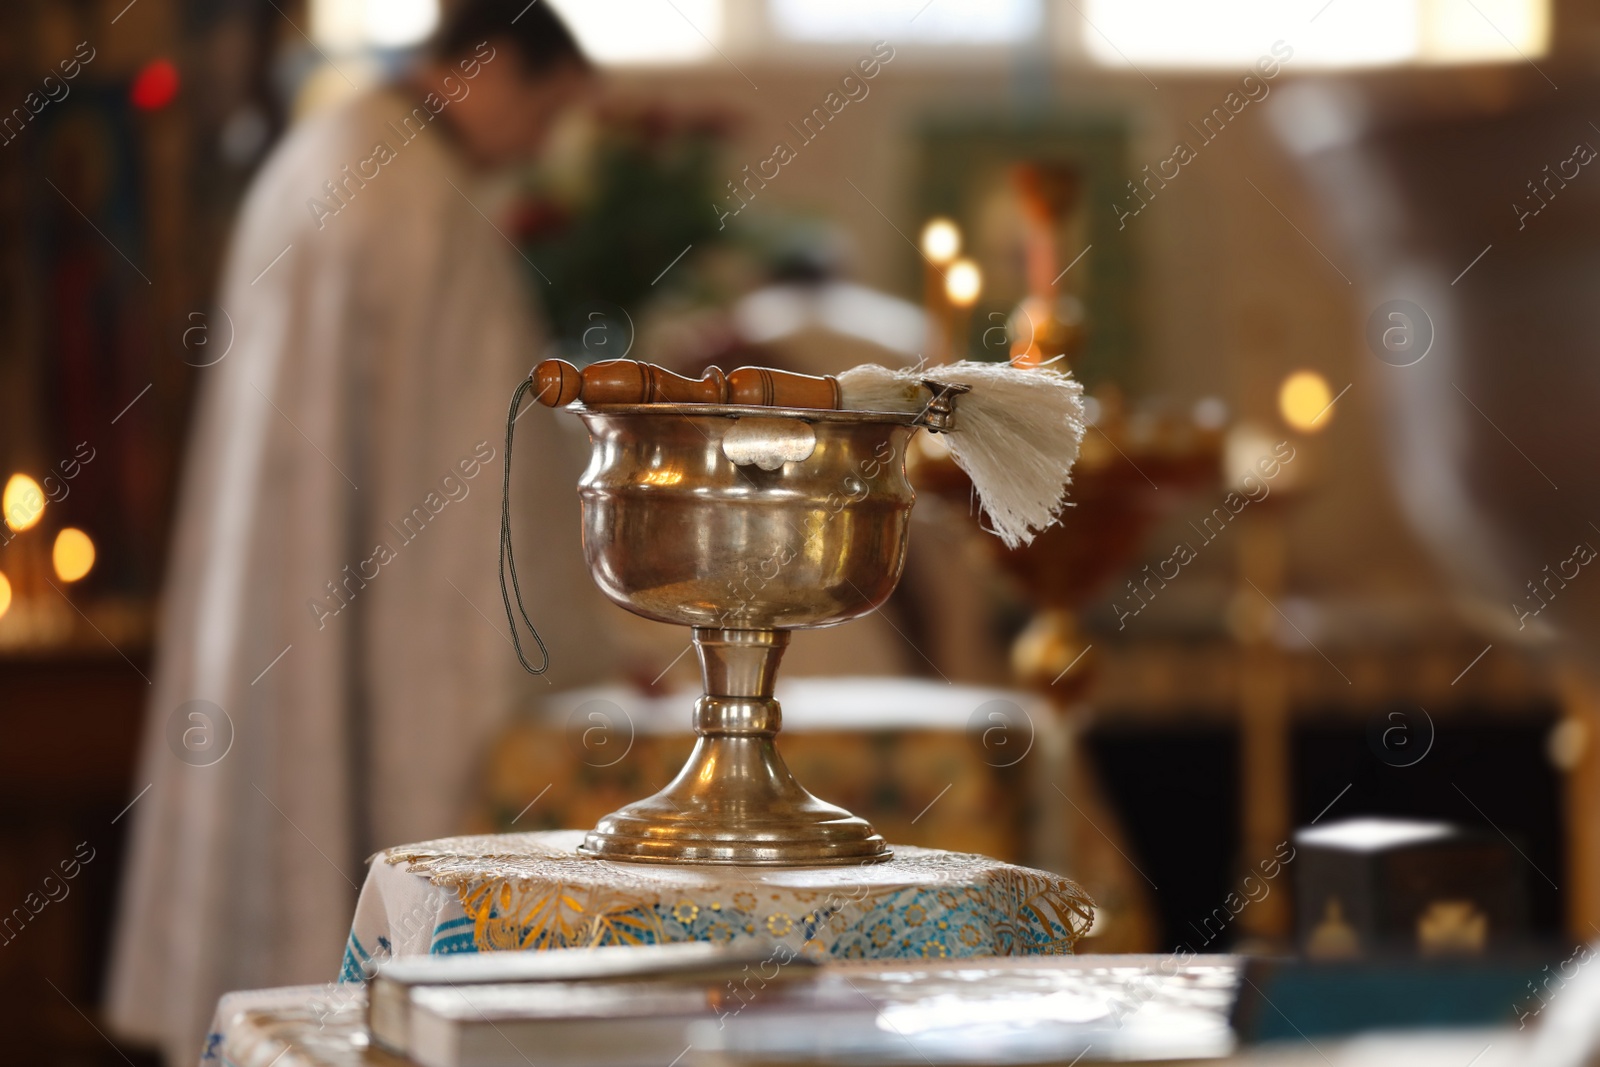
[1400,886]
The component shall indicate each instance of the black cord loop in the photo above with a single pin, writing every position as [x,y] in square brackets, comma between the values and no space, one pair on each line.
[507,560]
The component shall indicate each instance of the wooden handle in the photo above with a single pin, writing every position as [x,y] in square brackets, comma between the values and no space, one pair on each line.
[559,383]
[765,387]
[627,381]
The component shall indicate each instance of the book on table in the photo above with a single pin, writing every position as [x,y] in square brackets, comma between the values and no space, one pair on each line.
[768,1004]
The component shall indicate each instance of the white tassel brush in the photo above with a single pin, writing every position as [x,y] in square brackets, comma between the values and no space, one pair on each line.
[1016,433]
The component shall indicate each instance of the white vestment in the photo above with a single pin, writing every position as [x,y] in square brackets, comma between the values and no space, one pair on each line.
[332,582]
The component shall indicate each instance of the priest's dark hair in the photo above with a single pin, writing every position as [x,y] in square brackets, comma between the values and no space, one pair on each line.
[533,31]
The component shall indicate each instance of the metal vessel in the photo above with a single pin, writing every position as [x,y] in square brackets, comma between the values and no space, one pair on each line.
[744,523]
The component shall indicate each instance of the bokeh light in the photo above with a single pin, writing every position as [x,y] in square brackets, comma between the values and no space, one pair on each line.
[155,86]
[73,554]
[941,241]
[963,282]
[1303,401]
[22,502]
[5,594]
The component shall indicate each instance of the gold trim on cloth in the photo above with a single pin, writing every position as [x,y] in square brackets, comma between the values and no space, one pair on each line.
[535,891]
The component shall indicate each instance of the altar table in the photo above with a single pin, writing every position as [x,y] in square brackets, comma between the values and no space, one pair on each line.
[919,1012]
[535,891]
[1115,1004]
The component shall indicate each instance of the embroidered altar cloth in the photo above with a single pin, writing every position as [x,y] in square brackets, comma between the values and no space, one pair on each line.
[535,891]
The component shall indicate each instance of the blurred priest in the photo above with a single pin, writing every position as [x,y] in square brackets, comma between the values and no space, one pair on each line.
[333,658]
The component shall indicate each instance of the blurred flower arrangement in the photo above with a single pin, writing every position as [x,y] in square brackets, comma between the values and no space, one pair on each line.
[606,218]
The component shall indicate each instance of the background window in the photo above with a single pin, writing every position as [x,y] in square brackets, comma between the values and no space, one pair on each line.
[949,21]
[354,25]
[645,31]
[1323,33]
